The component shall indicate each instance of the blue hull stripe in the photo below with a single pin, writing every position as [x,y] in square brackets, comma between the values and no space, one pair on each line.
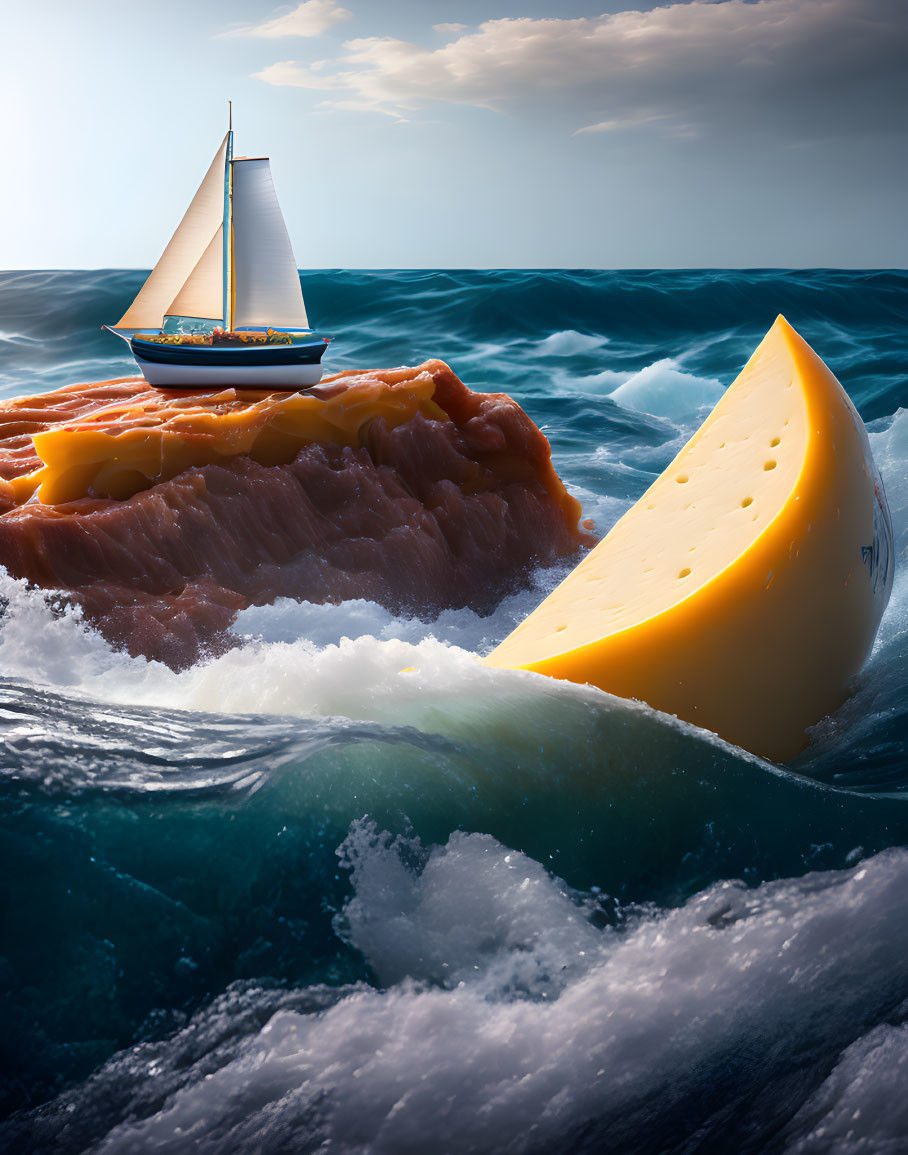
[188,355]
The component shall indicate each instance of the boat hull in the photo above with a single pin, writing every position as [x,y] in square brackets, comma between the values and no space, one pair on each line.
[201,367]
[204,376]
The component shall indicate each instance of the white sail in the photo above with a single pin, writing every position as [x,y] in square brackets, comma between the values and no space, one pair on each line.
[183,253]
[266,278]
[203,293]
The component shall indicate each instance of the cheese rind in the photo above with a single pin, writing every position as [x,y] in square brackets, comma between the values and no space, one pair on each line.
[743,591]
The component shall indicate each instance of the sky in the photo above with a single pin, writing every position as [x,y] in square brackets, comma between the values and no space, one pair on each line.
[466,133]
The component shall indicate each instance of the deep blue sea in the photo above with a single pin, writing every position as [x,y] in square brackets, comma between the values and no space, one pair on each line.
[289,901]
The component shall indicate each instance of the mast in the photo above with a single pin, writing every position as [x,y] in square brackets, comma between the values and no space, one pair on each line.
[228,223]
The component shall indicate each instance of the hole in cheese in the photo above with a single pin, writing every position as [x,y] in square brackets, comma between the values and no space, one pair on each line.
[644,561]
[767,465]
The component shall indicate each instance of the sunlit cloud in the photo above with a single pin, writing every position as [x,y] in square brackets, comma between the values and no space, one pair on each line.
[621,124]
[793,68]
[289,74]
[311,18]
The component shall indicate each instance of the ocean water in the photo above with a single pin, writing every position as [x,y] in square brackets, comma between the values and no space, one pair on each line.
[296,900]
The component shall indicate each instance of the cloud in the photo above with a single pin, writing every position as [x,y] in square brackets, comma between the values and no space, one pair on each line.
[620,124]
[289,74]
[796,69]
[311,18]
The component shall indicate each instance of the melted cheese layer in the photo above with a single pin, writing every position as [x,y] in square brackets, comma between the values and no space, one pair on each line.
[124,448]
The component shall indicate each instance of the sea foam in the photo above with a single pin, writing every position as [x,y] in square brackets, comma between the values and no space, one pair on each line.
[664,390]
[516,1025]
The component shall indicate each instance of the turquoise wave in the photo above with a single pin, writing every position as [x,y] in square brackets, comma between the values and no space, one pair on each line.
[497,322]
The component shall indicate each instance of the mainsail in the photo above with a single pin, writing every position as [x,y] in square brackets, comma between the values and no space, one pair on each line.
[265,274]
[183,254]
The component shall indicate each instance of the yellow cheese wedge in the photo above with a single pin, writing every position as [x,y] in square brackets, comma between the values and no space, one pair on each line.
[744,589]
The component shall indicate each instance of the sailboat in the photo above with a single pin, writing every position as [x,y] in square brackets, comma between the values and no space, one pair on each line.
[223,305]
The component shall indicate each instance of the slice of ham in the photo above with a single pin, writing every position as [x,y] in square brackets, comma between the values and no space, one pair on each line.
[400,486]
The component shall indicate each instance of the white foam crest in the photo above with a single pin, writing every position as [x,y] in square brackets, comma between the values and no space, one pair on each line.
[8,338]
[368,679]
[474,906]
[286,620]
[893,631]
[40,642]
[606,381]
[486,353]
[387,679]
[432,685]
[568,342]
[890,452]
[731,988]
[664,390]
[880,686]
[862,1108]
